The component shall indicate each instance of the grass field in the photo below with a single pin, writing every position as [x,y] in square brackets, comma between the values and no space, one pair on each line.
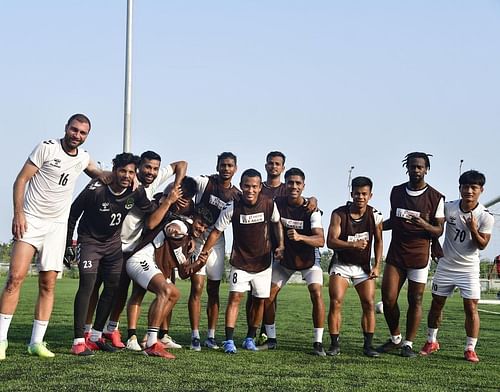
[291,367]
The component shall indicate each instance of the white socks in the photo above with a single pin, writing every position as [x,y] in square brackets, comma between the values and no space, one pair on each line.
[38,332]
[318,335]
[152,335]
[432,335]
[396,339]
[211,333]
[95,335]
[270,331]
[5,320]
[470,344]
[195,334]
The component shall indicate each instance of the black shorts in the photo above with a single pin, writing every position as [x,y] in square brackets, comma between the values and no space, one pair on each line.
[105,258]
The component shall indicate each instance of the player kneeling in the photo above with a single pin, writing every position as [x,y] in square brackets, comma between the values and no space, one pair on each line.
[172,243]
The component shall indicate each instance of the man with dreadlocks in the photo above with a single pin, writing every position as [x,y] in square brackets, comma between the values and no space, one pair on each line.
[417,216]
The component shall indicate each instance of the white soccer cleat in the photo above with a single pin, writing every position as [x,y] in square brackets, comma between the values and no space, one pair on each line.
[133,344]
[168,342]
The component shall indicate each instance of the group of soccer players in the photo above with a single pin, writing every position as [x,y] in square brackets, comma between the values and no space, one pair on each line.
[133,228]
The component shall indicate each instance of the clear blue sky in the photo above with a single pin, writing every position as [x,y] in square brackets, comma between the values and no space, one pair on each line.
[330,83]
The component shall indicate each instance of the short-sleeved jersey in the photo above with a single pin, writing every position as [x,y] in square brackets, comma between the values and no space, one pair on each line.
[50,190]
[104,211]
[251,226]
[410,244]
[460,251]
[357,229]
[298,255]
[134,222]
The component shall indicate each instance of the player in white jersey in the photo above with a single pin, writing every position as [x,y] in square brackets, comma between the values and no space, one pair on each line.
[468,229]
[42,199]
[151,176]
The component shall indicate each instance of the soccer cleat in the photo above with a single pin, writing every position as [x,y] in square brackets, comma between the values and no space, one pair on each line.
[249,344]
[471,356]
[229,347]
[269,344]
[262,339]
[318,349]
[407,352]
[389,346]
[195,344]
[86,335]
[115,337]
[41,350]
[369,351]
[81,349]
[333,351]
[101,345]
[211,343]
[157,350]
[429,348]
[133,344]
[168,342]
[3,348]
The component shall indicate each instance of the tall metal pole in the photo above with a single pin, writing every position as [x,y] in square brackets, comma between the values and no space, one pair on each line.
[349,182]
[128,81]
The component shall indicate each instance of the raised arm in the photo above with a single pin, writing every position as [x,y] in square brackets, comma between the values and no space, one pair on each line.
[166,202]
[180,169]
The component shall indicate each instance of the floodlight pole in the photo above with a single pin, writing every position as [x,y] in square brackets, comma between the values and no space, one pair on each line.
[349,179]
[128,81]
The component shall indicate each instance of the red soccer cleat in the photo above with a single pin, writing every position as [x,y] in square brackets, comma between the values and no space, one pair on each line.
[115,337]
[429,348]
[81,349]
[157,350]
[471,356]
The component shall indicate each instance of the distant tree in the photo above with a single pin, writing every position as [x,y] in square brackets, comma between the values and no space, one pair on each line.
[5,249]
[326,256]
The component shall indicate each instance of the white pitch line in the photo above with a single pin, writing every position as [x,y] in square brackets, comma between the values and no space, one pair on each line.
[488,311]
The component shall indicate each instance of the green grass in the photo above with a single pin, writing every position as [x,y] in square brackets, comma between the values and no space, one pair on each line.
[291,367]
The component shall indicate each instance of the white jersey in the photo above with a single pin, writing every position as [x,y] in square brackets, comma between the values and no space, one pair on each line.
[50,191]
[460,251]
[134,221]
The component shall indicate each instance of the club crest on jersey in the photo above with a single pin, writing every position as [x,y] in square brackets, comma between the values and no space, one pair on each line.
[129,203]
[215,201]
[292,224]
[104,206]
[78,167]
[452,220]
[252,218]
[56,163]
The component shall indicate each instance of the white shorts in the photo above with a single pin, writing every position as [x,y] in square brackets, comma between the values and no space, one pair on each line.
[257,282]
[281,275]
[141,267]
[49,239]
[350,272]
[445,282]
[214,268]
[419,275]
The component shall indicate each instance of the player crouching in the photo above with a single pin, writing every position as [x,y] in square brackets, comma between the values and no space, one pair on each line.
[171,243]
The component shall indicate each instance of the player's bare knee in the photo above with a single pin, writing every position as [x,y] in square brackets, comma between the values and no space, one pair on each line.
[13,283]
